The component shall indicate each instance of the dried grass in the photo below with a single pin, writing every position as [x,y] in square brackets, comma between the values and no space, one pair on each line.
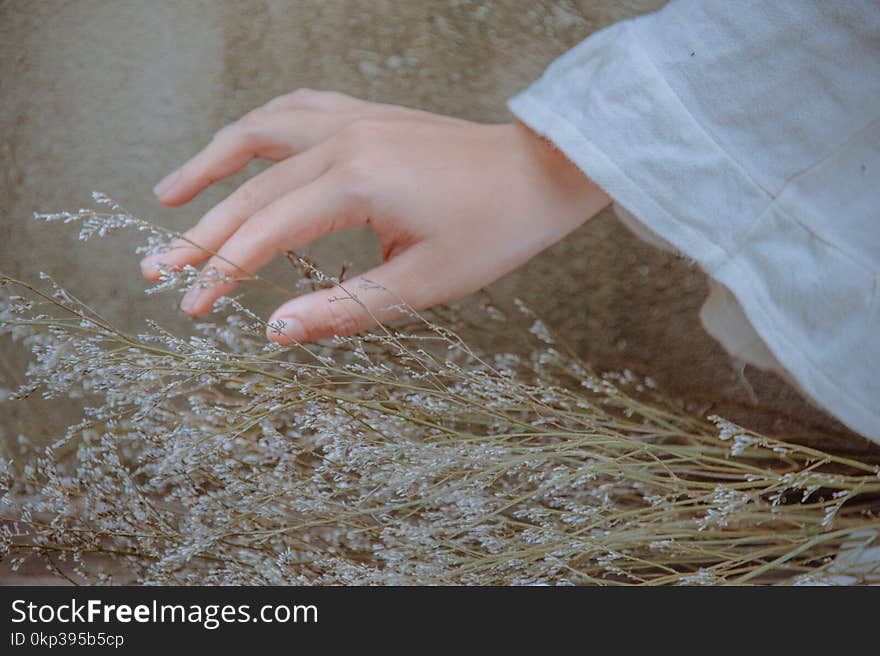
[401,456]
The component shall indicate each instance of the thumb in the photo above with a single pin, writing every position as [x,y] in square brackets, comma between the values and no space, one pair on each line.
[356,305]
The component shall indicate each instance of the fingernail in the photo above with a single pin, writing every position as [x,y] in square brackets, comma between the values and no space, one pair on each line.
[166,183]
[190,300]
[149,262]
[289,327]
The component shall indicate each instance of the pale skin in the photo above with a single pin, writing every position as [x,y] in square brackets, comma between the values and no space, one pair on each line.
[455,205]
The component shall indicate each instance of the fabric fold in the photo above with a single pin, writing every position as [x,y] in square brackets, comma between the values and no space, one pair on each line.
[791,230]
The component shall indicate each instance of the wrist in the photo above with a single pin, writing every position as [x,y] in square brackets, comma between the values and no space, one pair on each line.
[561,176]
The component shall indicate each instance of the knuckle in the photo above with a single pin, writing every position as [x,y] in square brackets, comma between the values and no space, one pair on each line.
[226,131]
[215,270]
[355,171]
[250,123]
[363,134]
[191,239]
[224,272]
[193,170]
[329,99]
[259,233]
[248,196]
[265,239]
[315,100]
[302,97]
[345,317]
[357,180]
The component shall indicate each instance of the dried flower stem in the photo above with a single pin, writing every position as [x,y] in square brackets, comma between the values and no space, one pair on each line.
[399,456]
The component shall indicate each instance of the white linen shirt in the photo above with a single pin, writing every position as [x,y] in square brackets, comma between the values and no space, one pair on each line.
[746,135]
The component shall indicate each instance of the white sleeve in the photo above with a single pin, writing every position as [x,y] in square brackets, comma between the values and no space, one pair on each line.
[747,136]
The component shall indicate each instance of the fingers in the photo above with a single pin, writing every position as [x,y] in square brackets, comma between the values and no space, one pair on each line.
[295,219]
[289,124]
[219,224]
[265,134]
[379,293]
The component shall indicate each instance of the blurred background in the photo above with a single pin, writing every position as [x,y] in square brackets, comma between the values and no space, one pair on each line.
[111,95]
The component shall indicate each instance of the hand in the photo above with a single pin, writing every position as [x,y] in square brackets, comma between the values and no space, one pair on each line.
[455,204]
